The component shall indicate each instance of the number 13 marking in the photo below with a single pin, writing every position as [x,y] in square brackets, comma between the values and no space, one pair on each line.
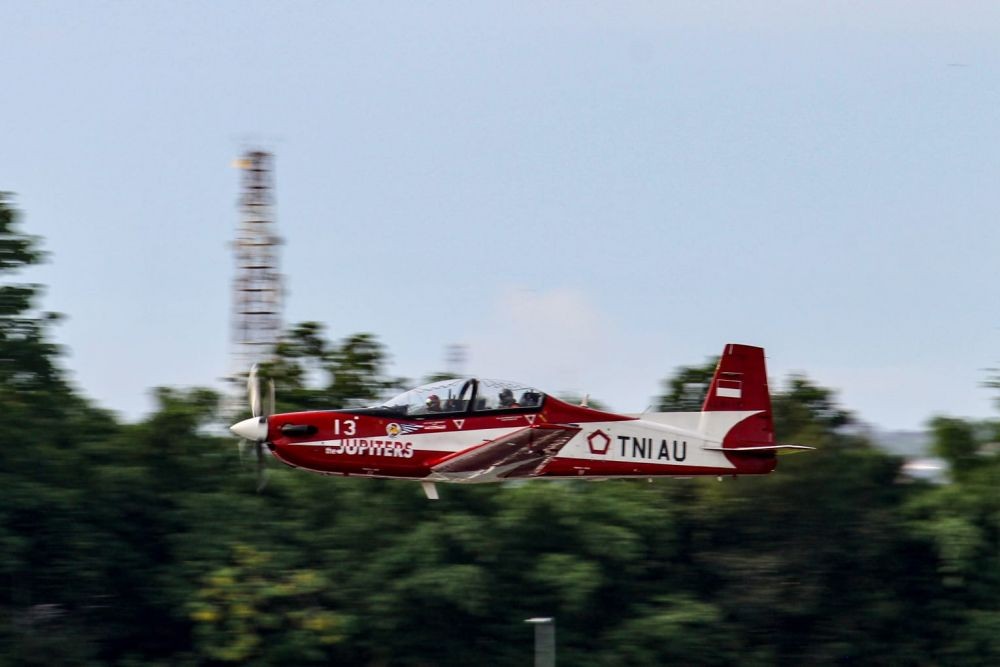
[350,427]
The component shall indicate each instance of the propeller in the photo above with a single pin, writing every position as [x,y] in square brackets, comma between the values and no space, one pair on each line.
[253,391]
[254,430]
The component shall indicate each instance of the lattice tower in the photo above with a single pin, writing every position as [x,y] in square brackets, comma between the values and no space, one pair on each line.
[257,288]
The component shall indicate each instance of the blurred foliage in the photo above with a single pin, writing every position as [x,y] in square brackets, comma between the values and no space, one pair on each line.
[315,374]
[955,441]
[145,544]
[685,390]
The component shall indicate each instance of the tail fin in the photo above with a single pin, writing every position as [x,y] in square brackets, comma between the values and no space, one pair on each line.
[740,384]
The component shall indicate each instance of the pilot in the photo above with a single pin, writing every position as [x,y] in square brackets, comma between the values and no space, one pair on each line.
[433,403]
[507,399]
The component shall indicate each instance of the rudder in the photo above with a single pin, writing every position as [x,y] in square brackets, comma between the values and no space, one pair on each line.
[740,384]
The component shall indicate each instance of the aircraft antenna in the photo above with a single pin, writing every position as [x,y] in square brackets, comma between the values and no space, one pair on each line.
[257,286]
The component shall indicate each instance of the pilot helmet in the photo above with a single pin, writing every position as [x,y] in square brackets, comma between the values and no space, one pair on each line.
[506,396]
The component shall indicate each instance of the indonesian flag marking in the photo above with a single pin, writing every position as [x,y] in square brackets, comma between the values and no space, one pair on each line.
[729,389]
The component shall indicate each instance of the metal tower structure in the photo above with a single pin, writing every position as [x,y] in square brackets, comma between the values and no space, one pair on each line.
[257,287]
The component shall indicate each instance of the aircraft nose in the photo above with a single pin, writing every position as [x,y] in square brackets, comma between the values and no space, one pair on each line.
[254,429]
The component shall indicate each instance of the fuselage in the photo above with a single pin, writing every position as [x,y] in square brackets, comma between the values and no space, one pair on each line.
[382,442]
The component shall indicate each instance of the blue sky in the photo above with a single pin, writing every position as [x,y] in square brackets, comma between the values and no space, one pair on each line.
[586,195]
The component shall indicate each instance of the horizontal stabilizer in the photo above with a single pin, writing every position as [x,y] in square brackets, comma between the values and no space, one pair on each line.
[779,449]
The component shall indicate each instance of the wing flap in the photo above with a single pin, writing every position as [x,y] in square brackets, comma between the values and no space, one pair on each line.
[519,454]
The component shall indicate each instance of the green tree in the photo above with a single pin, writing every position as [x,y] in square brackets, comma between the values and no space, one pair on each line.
[145,544]
[673,629]
[813,563]
[686,389]
[28,368]
[955,441]
[312,373]
[43,431]
[256,609]
[803,409]
[961,522]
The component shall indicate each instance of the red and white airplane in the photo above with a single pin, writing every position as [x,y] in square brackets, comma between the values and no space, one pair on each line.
[472,431]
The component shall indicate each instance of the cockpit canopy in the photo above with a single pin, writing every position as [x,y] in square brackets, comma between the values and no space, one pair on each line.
[461,394]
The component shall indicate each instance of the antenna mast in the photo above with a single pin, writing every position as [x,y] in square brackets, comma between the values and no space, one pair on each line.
[257,290]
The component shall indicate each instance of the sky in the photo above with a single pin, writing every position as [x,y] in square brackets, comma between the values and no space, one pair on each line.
[585,195]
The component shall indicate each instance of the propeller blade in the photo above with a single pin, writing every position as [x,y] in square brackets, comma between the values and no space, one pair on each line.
[261,470]
[254,430]
[253,391]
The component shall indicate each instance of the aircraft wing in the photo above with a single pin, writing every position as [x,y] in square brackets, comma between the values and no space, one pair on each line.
[519,454]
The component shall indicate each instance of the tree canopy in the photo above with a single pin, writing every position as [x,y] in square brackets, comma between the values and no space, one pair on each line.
[146,544]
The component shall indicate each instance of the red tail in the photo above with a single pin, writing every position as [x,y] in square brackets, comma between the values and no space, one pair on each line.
[740,383]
